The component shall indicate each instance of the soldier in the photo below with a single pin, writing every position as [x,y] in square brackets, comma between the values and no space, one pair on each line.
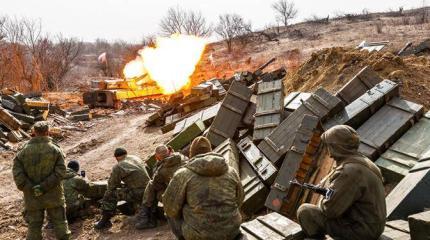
[38,170]
[78,191]
[167,163]
[132,172]
[203,198]
[356,210]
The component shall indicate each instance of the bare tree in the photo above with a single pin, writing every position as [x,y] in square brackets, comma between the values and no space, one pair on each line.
[180,21]
[195,24]
[231,26]
[285,11]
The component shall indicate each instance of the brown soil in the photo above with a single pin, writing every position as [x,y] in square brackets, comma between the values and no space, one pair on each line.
[95,149]
[331,68]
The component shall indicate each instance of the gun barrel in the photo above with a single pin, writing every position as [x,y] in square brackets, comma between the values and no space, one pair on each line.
[266,64]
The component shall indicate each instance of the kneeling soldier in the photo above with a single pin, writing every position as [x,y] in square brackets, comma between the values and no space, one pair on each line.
[132,172]
[168,162]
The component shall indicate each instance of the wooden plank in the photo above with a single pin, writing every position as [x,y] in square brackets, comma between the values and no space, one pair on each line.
[230,152]
[230,114]
[261,165]
[321,104]
[393,232]
[8,120]
[272,226]
[410,196]
[294,100]
[358,85]
[357,112]
[181,140]
[255,190]
[269,112]
[387,125]
[396,162]
[420,225]
[205,115]
[291,164]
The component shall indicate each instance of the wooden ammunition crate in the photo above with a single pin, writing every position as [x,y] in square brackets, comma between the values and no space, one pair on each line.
[321,104]
[230,114]
[366,79]
[411,195]
[255,190]
[272,226]
[206,115]
[396,162]
[387,125]
[269,113]
[230,152]
[357,112]
[298,163]
[261,165]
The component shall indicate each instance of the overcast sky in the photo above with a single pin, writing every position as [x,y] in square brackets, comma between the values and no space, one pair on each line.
[131,19]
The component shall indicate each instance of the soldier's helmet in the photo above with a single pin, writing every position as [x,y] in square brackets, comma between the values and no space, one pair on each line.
[74,165]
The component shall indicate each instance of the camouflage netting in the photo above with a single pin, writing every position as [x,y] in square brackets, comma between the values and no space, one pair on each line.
[333,67]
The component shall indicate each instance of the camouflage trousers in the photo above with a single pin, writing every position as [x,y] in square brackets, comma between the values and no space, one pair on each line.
[132,198]
[151,196]
[316,225]
[57,216]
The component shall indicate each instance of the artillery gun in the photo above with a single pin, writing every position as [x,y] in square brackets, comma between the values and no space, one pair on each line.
[111,92]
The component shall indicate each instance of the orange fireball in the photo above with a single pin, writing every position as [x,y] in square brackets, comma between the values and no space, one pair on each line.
[170,63]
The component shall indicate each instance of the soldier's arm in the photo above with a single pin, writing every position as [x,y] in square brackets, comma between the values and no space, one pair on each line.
[175,194]
[345,184]
[82,185]
[157,182]
[57,175]
[114,181]
[19,176]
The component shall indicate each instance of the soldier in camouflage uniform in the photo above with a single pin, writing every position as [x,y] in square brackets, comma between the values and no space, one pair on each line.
[203,198]
[357,208]
[132,172]
[38,170]
[168,162]
[78,191]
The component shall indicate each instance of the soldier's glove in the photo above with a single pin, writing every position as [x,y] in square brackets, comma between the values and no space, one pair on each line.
[37,191]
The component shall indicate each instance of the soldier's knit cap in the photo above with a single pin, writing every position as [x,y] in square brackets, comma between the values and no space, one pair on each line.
[74,165]
[200,145]
[120,152]
[41,127]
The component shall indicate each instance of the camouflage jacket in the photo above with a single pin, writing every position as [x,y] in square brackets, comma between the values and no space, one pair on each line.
[131,171]
[40,162]
[359,196]
[165,169]
[207,195]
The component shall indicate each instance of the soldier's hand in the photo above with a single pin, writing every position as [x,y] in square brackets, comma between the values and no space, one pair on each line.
[37,191]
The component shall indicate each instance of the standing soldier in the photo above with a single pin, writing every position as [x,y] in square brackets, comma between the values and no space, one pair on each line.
[78,191]
[132,172]
[167,164]
[356,210]
[38,170]
[203,198]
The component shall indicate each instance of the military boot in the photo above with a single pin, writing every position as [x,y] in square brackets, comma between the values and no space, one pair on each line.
[145,219]
[105,222]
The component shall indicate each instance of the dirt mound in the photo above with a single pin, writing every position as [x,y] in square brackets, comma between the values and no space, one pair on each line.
[331,68]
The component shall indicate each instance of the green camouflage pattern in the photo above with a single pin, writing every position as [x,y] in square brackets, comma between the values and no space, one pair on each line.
[57,217]
[206,196]
[40,162]
[76,192]
[132,172]
[163,173]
